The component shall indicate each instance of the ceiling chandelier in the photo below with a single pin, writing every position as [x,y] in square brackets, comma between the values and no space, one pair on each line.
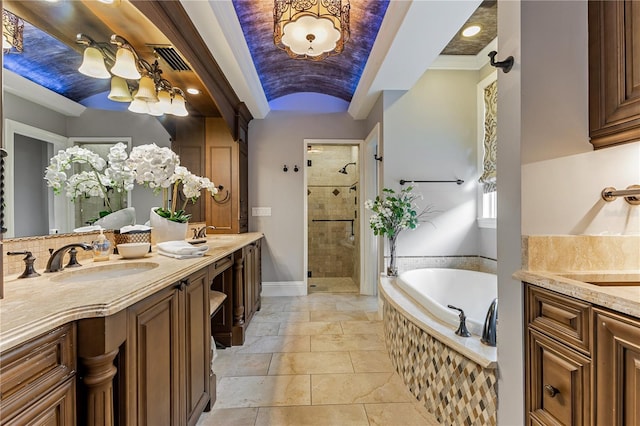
[154,95]
[311,29]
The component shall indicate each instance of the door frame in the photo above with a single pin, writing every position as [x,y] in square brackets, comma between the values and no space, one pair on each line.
[371,257]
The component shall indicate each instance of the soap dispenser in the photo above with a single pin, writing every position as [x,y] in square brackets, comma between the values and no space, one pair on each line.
[101,248]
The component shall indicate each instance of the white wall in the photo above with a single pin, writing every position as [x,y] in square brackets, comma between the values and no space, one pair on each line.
[141,128]
[274,141]
[562,195]
[430,134]
[543,112]
[27,112]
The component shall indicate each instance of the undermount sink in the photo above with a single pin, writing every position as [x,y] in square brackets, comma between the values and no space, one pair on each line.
[606,279]
[104,272]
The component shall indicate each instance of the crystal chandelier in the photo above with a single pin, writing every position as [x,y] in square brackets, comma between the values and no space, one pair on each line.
[311,29]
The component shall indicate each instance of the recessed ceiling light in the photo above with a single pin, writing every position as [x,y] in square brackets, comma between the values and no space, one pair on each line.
[471,30]
[193,91]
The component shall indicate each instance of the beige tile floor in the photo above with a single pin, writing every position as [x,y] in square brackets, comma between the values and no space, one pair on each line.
[312,360]
[333,285]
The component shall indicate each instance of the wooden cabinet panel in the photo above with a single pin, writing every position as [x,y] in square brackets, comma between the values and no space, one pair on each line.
[197,341]
[614,72]
[559,316]
[559,383]
[617,362]
[190,146]
[55,408]
[220,164]
[32,371]
[153,360]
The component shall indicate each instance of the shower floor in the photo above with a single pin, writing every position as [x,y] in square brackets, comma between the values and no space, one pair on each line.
[333,285]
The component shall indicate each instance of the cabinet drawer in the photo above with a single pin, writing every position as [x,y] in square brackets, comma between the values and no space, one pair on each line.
[560,316]
[32,369]
[559,383]
[222,264]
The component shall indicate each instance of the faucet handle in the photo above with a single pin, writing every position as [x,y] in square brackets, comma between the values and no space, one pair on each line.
[29,270]
[462,328]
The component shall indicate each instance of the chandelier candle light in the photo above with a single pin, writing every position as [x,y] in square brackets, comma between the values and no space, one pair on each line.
[311,29]
[155,95]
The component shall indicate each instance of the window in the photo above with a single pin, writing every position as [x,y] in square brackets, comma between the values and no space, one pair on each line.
[487,141]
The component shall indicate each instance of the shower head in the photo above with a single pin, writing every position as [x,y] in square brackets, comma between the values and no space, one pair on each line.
[344,169]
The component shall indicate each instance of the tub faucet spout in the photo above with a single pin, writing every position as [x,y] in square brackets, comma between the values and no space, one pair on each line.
[462,328]
[489,331]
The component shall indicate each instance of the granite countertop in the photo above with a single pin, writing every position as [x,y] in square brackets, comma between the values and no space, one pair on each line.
[33,306]
[621,298]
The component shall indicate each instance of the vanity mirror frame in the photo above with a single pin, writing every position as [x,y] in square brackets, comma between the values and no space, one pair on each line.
[62,216]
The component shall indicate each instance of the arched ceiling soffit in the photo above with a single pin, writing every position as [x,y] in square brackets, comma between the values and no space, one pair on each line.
[336,76]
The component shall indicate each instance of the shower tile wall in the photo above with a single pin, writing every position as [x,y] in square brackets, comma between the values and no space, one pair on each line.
[332,196]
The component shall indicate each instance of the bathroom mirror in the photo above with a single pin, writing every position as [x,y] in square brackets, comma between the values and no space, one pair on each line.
[31,207]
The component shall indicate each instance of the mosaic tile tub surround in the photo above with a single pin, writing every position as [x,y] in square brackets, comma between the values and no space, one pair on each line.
[451,385]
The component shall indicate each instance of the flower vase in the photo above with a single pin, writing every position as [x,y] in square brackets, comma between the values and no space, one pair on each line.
[163,229]
[392,269]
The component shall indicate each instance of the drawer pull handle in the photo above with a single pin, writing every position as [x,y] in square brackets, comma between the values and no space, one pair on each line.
[551,391]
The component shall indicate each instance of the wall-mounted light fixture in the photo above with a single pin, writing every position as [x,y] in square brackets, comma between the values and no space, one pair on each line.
[151,94]
[12,32]
[311,29]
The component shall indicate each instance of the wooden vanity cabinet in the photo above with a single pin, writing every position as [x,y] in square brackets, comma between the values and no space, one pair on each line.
[617,369]
[168,354]
[38,380]
[582,362]
[614,72]
[252,278]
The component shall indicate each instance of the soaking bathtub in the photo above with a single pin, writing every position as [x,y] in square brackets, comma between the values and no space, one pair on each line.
[436,288]
[454,377]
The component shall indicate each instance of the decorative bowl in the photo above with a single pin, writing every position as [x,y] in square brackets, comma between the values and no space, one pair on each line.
[133,250]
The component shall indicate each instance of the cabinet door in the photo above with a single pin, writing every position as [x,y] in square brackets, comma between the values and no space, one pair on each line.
[154,395]
[614,72]
[198,344]
[56,408]
[617,362]
[558,381]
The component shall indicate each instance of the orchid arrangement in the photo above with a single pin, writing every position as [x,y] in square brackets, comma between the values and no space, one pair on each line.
[100,177]
[149,165]
[159,168]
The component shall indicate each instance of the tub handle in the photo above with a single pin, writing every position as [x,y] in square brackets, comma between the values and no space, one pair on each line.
[462,328]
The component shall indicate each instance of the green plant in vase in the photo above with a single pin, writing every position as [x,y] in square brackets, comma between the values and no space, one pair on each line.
[392,213]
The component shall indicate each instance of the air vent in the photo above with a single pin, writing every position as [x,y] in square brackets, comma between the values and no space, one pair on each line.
[171,57]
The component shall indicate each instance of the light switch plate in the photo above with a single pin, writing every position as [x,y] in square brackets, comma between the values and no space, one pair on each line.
[261,211]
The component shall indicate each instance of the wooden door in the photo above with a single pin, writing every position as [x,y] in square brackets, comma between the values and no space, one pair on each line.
[617,363]
[154,350]
[198,344]
[190,146]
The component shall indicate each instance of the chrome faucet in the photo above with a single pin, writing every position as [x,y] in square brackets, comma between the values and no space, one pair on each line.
[489,331]
[55,260]
[202,232]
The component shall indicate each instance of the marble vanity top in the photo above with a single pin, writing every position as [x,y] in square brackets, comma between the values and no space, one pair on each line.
[33,306]
[621,298]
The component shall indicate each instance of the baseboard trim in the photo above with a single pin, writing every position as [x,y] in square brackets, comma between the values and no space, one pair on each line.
[283,288]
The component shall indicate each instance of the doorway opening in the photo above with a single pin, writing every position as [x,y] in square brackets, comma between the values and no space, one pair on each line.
[333,218]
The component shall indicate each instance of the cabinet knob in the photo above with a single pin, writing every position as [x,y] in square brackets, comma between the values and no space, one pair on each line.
[551,391]
[182,285]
